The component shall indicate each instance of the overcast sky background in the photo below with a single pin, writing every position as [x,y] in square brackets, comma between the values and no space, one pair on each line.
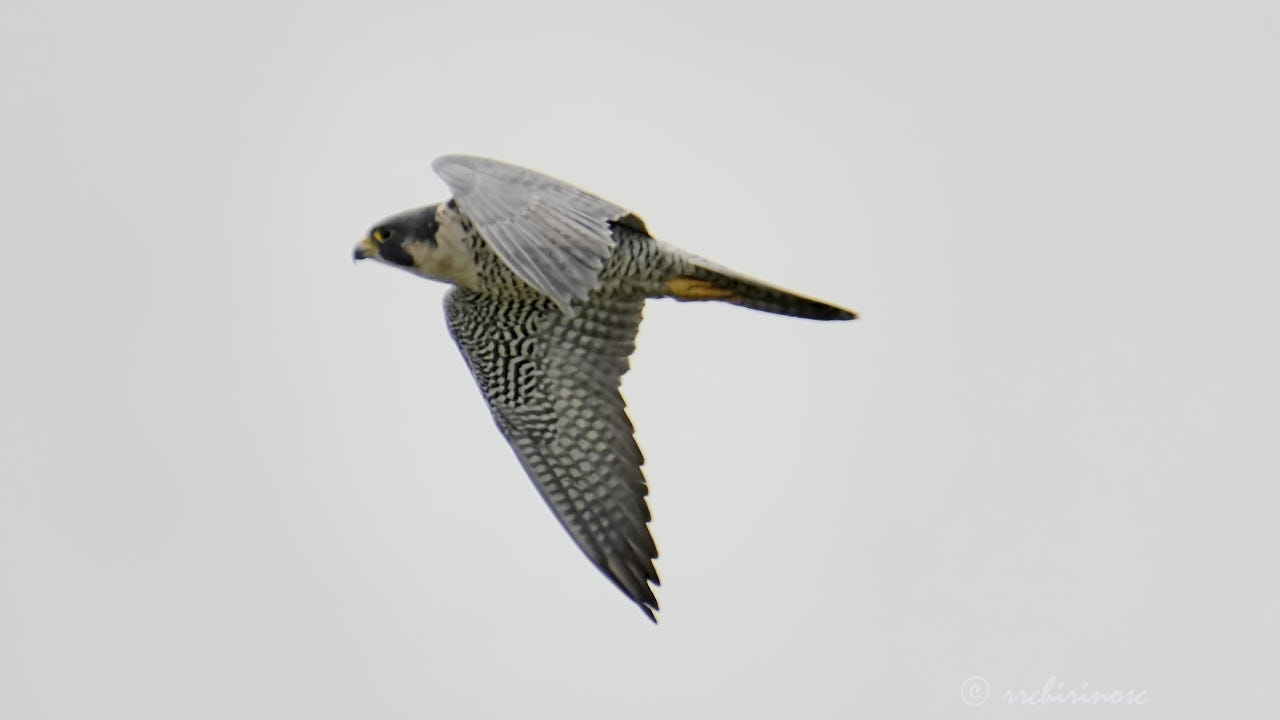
[241,478]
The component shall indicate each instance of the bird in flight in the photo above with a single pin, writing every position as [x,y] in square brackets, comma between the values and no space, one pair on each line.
[549,283]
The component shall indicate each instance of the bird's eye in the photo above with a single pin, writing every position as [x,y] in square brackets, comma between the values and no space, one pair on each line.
[381,235]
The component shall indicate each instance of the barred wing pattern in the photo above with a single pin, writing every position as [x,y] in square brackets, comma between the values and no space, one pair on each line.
[551,381]
[553,235]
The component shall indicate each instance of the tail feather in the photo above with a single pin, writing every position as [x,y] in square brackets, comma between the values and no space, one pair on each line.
[708,283]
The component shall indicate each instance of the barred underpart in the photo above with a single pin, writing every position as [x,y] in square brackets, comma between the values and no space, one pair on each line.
[551,380]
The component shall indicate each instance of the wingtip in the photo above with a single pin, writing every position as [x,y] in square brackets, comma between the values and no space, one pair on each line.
[649,612]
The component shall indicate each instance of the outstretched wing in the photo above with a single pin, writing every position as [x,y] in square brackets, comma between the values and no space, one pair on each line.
[553,235]
[551,380]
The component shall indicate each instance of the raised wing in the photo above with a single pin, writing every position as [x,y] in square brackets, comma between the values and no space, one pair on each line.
[551,380]
[553,235]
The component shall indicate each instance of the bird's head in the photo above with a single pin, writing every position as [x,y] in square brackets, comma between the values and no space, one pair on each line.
[425,241]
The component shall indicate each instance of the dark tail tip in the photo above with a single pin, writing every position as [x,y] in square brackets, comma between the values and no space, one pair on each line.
[835,313]
[803,307]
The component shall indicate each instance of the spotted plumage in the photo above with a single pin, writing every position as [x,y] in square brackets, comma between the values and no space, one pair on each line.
[550,282]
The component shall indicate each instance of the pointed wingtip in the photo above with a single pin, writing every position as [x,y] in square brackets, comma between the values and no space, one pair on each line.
[649,612]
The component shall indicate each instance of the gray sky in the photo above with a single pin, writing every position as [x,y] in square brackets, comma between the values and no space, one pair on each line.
[240,478]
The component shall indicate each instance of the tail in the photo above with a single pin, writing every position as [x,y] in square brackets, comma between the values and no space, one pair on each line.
[705,281]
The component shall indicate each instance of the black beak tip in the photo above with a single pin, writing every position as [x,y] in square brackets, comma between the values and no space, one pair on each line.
[358,254]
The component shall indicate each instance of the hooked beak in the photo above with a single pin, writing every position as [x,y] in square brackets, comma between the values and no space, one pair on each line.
[364,249]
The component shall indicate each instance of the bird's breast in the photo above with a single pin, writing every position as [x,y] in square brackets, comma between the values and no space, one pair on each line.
[452,258]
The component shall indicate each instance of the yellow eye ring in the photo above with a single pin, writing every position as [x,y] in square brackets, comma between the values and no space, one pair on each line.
[381,235]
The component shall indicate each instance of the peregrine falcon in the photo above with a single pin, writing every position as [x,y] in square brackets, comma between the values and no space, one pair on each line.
[549,283]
